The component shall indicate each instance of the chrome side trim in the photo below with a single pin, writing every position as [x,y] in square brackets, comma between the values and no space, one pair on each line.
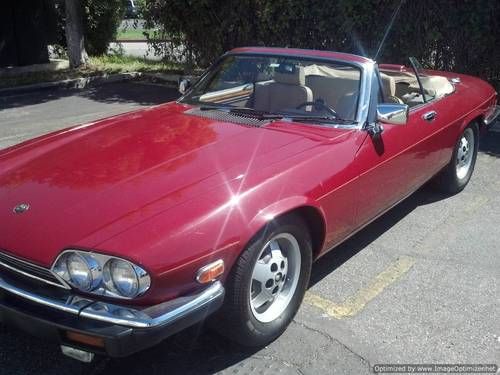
[492,115]
[154,316]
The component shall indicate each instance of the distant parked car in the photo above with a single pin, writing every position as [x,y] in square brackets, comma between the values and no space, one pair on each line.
[131,9]
[119,233]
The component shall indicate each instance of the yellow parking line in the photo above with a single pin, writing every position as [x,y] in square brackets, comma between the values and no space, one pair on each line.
[354,304]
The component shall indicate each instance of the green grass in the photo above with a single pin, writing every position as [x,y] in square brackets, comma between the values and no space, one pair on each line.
[120,64]
[131,34]
[98,65]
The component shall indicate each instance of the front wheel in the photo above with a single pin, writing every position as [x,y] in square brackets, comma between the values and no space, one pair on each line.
[267,284]
[457,174]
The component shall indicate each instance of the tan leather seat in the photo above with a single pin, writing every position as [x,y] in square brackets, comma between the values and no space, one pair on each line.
[389,89]
[286,91]
[331,89]
[388,84]
[340,93]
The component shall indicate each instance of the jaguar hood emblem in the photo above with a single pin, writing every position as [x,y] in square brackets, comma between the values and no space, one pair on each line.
[21,208]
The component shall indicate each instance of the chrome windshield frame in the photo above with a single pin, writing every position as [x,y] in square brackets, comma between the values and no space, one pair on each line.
[367,70]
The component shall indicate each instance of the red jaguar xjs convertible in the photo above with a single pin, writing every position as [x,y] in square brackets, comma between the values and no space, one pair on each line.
[116,234]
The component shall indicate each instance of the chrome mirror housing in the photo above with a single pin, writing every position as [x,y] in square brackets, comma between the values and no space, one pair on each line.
[184,85]
[392,113]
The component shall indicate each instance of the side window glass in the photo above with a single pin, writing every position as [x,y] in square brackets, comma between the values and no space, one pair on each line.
[418,70]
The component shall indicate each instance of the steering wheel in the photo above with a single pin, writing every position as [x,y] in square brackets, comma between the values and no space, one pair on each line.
[318,105]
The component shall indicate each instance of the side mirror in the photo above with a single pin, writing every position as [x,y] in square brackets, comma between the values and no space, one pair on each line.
[392,113]
[184,85]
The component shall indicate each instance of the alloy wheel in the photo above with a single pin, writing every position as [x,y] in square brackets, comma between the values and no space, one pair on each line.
[274,277]
[465,153]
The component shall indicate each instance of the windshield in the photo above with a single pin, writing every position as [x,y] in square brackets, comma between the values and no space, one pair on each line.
[281,85]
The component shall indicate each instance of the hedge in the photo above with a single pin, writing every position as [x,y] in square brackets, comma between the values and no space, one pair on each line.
[457,35]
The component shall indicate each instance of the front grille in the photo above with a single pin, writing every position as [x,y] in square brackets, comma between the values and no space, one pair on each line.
[28,270]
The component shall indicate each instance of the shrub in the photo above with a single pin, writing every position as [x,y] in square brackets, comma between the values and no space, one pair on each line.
[459,35]
[203,27]
[101,22]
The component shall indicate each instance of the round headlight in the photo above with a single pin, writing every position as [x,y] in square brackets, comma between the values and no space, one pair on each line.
[125,279]
[83,271]
[101,274]
[79,271]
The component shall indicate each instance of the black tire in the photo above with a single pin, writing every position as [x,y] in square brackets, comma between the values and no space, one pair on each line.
[235,319]
[448,180]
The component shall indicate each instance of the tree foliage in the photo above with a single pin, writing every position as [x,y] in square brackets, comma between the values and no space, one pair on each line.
[460,35]
[101,23]
[101,20]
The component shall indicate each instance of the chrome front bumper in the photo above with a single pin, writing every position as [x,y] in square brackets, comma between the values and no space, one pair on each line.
[117,331]
[154,316]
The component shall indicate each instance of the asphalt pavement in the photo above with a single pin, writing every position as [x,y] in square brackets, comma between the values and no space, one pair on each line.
[419,285]
[27,115]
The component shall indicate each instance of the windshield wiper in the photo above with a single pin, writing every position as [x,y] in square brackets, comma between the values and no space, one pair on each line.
[261,115]
[264,115]
[322,119]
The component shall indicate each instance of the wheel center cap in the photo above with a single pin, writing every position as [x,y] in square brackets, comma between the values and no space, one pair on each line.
[277,277]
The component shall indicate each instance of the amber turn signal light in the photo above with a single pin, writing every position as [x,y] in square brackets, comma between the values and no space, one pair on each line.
[85,339]
[210,272]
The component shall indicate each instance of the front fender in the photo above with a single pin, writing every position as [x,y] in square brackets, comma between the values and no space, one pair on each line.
[279,208]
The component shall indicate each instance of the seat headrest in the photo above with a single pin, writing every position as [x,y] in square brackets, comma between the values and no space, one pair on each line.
[436,86]
[389,84]
[290,75]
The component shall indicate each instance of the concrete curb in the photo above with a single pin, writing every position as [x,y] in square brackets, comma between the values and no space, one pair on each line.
[169,79]
[81,83]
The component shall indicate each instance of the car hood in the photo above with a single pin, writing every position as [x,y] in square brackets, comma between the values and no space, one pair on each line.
[122,169]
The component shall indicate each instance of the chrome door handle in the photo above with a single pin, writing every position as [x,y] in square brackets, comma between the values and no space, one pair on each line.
[429,116]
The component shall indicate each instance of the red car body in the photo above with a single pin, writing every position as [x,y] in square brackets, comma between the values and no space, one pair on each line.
[172,192]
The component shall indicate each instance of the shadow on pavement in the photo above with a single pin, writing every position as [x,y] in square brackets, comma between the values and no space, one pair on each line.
[143,93]
[137,92]
[193,351]
[342,253]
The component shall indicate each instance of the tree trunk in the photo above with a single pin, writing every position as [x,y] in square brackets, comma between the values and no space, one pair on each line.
[74,33]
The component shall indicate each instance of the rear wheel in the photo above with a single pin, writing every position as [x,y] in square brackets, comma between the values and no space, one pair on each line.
[267,283]
[457,174]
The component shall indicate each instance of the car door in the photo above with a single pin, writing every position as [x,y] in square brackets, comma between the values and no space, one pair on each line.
[447,126]
[395,163]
